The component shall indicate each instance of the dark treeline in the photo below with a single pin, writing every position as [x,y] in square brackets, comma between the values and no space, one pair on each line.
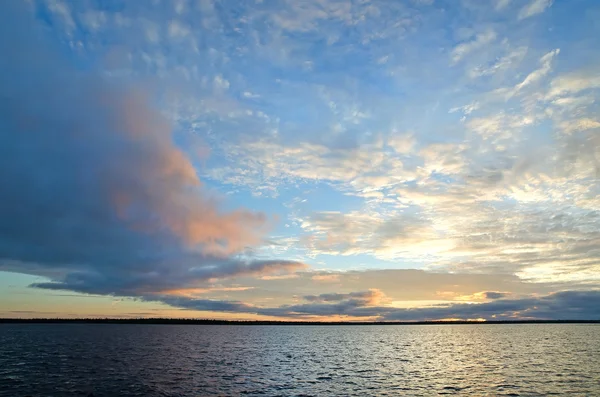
[262,322]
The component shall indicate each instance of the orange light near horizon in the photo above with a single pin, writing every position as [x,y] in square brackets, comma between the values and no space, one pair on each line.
[478,320]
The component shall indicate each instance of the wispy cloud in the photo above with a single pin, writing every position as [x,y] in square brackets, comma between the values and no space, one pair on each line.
[513,57]
[533,8]
[479,41]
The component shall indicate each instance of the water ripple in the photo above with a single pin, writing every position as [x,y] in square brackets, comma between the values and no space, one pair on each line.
[190,360]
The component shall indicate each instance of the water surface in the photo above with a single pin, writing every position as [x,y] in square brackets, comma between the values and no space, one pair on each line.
[200,360]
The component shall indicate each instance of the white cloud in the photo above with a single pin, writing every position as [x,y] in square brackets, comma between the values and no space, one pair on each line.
[533,8]
[383,60]
[443,158]
[178,30]
[573,102]
[499,126]
[336,233]
[63,11]
[220,83]
[506,93]
[248,94]
[402,143]
[583,124]
[94,20]
[465,109]
[480,40]
[264,163]
[179,6]
[536,75]
[572,83]
[506,62]
[501,4]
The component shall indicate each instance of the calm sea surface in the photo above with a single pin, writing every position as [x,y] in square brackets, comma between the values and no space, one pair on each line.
[197,360]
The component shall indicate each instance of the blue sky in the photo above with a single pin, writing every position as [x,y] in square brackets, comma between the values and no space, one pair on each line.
[222,158]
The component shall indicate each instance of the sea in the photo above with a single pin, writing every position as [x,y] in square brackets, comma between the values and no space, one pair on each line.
[277,360]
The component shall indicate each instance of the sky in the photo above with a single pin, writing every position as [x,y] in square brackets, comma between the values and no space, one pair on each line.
[300,160]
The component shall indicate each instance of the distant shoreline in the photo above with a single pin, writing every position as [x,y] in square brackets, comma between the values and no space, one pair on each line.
[167,321]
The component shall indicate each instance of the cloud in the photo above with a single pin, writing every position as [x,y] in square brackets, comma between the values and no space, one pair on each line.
[366,298]
[95,192]
[178,30]
[326,278]
[533,8]
[336,233]
[94,20]
[401,286]
[501,4]
[63,12]
[495,295]
[498,126]
[513,58]
[402,143]
[466,109]
[561,305]
[573,83]
[266,164]
[205,304]
[478,42]
[155,279]
[546,63]
[572,305]
[583,124]
[508,193]
[533,78]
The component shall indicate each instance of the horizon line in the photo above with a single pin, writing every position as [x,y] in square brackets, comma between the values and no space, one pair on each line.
[189,321]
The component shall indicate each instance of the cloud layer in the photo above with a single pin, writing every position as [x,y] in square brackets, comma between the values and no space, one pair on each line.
[575,305]
[93,186]
[426,159]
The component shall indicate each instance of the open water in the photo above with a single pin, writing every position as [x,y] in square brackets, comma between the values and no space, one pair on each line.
[202,360]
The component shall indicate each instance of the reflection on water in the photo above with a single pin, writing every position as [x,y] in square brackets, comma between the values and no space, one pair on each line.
[178,360]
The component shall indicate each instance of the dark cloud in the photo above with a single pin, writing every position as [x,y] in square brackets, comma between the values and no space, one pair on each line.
[157,279]
[573,305]
[95,194]
[205,304]
[362,295]
[494,295]
[29,312]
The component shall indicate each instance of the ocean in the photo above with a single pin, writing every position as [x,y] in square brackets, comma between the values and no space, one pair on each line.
[232,360]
